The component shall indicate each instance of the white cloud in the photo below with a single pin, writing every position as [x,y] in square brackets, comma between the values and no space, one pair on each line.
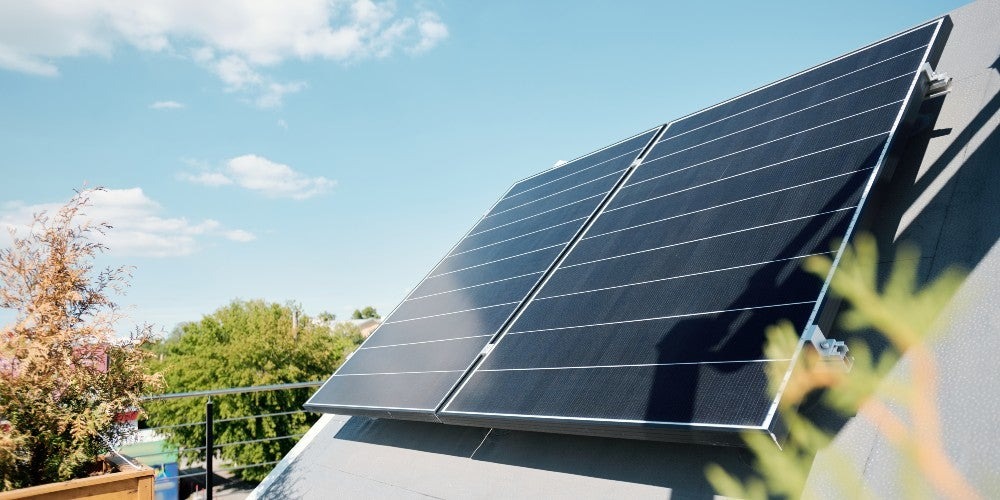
[166,105]
[275,179]
[139,228]
[11,59]
[240,235]
[237,40]
[282,123]
[206,178]
[432,32]
[272,94]
[256,173]
[235,72]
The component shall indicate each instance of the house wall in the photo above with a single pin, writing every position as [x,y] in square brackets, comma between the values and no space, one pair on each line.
[944,196]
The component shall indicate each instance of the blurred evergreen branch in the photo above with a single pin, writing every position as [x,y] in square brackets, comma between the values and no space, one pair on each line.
[904,313]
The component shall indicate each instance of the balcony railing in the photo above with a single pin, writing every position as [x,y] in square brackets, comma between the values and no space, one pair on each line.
[209,423]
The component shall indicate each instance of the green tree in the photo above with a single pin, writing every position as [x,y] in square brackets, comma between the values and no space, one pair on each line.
[64,375]
[365,313]
[348,331]
[245,343]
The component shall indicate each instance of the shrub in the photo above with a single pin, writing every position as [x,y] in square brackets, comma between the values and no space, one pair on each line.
[64,376]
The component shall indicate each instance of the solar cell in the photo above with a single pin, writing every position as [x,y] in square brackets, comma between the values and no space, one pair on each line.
[406,368]
[652,324]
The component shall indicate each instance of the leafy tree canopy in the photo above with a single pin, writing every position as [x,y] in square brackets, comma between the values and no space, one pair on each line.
[348,331]
[365,313]
[245,343]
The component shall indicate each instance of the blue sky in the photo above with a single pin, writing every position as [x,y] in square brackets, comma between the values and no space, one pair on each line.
[332,154]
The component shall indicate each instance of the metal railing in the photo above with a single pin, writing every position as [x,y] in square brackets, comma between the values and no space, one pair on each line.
[209,424]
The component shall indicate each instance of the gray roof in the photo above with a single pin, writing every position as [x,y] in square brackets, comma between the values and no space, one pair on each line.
[944,196]
[360,457]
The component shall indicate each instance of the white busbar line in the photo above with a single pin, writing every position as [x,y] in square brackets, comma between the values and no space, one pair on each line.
[514,237]
[494,214]
[474,286]
[534,215]
[636,365]
[708,237]
[650,133]
[589,367]
[499,260]
[810,129]
[646,282]
[658,318]
[451,312]
[665,139]
[519,193]
[741,200]
[777,118]
[824,150]
[426,341]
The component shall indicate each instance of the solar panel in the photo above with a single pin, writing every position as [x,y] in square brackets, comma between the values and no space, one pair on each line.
[627,293]
[652,325]
[407,367]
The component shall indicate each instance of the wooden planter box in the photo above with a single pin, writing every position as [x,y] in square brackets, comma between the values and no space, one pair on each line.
[130,484]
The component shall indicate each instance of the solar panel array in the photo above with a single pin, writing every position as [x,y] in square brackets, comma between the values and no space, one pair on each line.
[412,361]
[651,323]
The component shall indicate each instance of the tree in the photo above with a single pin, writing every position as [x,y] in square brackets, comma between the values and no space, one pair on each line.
[367,312]
[245,343]
[348,331]
[64,376]
[326,317]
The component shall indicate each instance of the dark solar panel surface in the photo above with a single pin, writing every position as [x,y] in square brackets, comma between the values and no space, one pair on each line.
[419,353]
[657,315]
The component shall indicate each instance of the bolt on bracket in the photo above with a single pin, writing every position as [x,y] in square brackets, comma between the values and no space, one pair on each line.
[831,350]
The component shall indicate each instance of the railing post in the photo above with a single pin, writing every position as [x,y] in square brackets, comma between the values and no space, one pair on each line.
[209,449]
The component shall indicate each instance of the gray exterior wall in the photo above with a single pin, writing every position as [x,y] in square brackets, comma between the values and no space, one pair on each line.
[944,196]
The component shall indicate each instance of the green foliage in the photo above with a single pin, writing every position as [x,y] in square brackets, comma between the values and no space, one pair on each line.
[64,376]
[245,343]
[365,313]
[348,331]
[904,313]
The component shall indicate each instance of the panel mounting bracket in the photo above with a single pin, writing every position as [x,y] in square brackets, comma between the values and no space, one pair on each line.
[935,84]
[831,350]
